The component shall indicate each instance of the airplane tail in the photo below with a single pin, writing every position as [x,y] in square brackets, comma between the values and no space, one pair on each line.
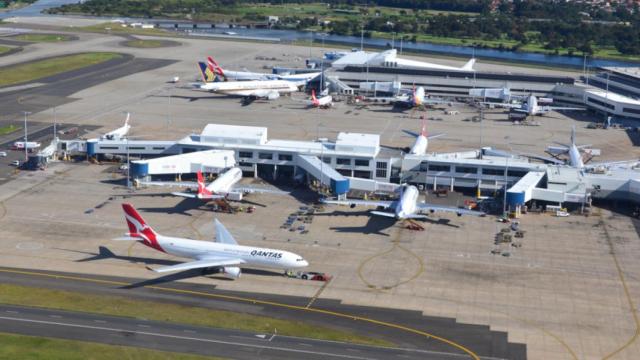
[573,135]
[138,228]
[202,187]
[469,65]
[216,69]
[126,121]
[423,130]
[207,75]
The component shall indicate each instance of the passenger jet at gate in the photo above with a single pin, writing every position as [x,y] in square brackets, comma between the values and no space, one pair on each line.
[405,207]
[224,187]
[223,255]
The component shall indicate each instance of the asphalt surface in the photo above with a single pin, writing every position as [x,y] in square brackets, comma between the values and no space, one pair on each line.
[189,339]
[55,90]
[479,339]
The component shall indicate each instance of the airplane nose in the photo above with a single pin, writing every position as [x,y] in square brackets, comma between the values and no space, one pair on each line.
[304,263]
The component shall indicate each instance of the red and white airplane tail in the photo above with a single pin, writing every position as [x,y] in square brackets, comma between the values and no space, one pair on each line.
[203,192]
[314,99]
[138,228]
[423,130]
[215,68]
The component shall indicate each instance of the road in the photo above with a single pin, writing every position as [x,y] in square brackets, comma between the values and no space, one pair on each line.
[406,329]
[190,339]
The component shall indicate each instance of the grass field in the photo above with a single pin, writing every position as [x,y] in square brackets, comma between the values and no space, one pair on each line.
[4,49]
[120,306]
[16,74]
[42,37]
[4,130]
[40,348]
[146,44]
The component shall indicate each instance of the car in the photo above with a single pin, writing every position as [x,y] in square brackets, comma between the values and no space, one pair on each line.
[3,154]
[308,275]
[15,163]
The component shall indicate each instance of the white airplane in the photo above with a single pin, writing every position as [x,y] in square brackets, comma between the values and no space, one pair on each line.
[531,107]
[406,207]
[224,187]
[255,89]
[323,102]
[212,72]
[224,254]
[30,145]
[120,132]
[416,98]
[389,58]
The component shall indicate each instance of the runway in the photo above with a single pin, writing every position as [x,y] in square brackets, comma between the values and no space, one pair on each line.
[406,329]
[55,90]
[190,339]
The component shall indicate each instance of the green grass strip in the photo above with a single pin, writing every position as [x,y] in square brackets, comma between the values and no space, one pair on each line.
[40,348]
[42,37]
[16,74]
[4,130]
[174,313]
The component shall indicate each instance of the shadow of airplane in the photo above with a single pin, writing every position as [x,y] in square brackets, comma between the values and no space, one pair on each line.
[376,224]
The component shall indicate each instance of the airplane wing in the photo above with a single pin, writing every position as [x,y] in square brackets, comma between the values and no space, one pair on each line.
[544,158]
[194,195]
[560,108]
[201,264]
[424,207]
[373,203]
[612,163]
[223,235]
[187,184]
[257,190]
[435,136]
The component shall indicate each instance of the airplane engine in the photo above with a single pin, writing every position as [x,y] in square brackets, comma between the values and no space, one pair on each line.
[352,206]
[273,95]
[231,271]
[459,214]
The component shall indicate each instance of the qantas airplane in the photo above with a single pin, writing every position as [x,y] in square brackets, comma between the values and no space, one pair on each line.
[224,187]
[406,207]
[223,255]
[416,98]
[215,72]
[323,102]
[422,140]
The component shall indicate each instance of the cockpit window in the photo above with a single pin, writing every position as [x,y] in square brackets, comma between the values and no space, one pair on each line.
[299,259]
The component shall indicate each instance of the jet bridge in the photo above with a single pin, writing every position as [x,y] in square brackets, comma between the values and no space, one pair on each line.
[522,191]
[207,161]
[323,172]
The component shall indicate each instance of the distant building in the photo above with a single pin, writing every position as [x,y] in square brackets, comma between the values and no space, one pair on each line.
[273,19]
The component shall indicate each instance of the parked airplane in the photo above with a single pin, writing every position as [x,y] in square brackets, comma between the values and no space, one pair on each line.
[120,132]
[531,107]
[224,187]
[223,255]
[406,207]
[422,140]
[253,89]
[415,99]
[322,102]
[217,73]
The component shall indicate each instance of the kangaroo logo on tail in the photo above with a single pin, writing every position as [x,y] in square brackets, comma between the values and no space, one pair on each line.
[202,187]
[216,69]
[139,228]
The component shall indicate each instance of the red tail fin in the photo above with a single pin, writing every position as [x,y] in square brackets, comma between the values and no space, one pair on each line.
[213,65]
[139,228]
[314,100]
[202,187]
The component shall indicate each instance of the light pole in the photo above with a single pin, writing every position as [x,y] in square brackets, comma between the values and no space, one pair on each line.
[26,148]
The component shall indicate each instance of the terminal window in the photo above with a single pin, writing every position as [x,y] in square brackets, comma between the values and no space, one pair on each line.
[326,160]
[493,172]
[343,161]
[631,111]
[601,103]
[245,154]
[287,157]
[517,173]
[362,162]
[381,165]
[466,170]
[265,156]
[445,168]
